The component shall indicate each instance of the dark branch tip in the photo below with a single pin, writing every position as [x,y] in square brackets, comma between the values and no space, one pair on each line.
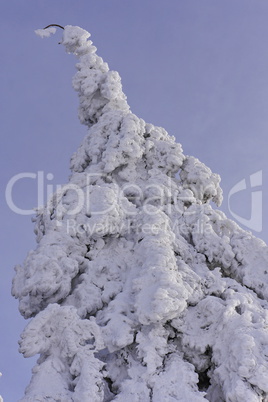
[54,25]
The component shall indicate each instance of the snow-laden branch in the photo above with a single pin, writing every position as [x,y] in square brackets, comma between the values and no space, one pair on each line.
[47,31]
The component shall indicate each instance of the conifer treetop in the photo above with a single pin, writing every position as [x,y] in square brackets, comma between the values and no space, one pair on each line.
[101,91]
[138,289]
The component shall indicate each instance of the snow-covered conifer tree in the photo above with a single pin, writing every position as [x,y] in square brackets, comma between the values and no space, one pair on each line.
[139,290]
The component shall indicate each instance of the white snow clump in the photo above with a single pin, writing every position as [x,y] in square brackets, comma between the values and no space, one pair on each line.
[45,33]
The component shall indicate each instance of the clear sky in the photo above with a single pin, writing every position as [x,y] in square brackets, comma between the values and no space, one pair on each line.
[198,68]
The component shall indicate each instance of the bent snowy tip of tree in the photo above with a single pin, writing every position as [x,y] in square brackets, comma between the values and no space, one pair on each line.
[138,289]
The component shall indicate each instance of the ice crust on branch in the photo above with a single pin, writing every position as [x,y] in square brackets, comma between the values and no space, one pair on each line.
[138,289]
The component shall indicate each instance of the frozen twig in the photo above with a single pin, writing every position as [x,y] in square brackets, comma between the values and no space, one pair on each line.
[48,30]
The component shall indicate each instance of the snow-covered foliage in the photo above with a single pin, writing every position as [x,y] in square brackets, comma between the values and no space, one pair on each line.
[1,399]
[139,290]
[45,33]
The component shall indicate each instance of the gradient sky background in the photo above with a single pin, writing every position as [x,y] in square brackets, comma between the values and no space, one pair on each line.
[198,68]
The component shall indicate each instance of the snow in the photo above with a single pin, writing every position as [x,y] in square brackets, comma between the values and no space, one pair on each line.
[45,33]
[1,399]
[138,289]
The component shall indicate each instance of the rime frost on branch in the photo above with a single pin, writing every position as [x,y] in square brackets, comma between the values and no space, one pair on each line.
[99,88]
[45,33]
[141,291]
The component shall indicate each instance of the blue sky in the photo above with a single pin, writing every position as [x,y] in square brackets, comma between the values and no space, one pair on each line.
[197,68]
